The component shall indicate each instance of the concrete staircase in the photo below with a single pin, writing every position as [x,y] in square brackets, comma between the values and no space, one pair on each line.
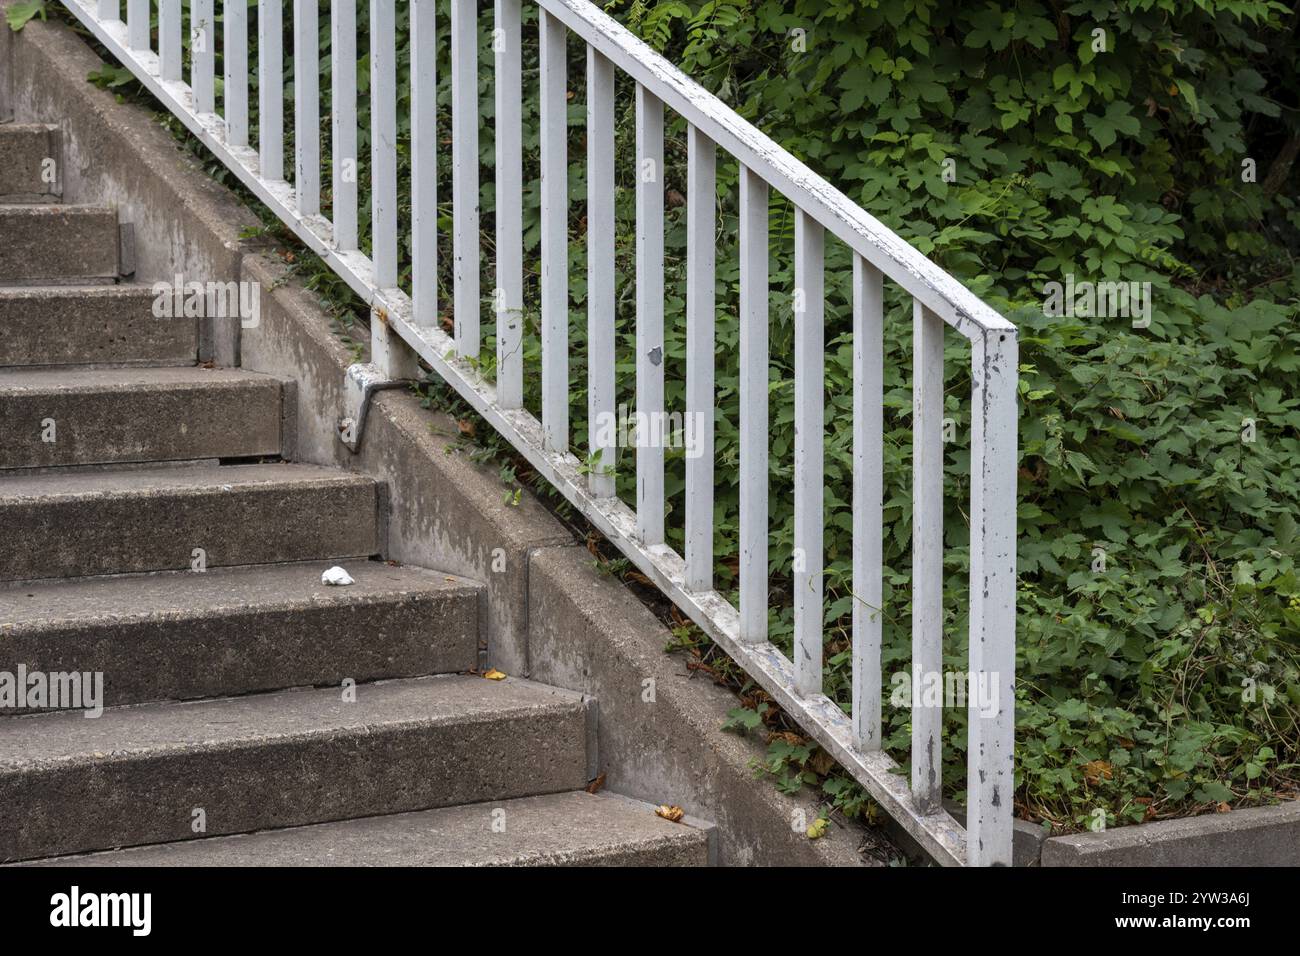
[152,531]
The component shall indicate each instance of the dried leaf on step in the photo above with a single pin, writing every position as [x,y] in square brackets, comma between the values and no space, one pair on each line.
[494,674]
[1095,771]
[817,829]
[821,762]
[596,785]
[466,427]
[669,813]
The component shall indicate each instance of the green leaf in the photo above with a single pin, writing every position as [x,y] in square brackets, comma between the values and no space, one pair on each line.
[19,13]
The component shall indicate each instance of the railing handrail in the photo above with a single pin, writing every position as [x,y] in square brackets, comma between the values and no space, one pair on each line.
[404,326]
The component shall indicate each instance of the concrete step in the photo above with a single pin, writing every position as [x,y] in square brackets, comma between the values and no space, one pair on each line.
[57,244]
[180,635]
[559,829]
[123,520]
[98,324]
[30,158]
[62,416]
[151,773]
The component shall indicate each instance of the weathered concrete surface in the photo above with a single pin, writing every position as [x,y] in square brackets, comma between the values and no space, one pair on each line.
[29,163]
[252,628]
[560,829]
[1261,836]
[136,774]
[43,243]
[659,726]
[138,414]
[445,511]
[111,522]
[83,325]
[183,221]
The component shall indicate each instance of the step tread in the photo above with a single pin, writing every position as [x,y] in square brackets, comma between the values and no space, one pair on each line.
[147,482]
[65,210]
[561,828]
[125,598]
[75,380]
[48,741]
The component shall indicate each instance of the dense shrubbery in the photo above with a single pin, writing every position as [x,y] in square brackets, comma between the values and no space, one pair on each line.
[1167,677]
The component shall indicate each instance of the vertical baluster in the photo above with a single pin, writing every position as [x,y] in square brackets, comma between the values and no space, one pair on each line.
[108,10]
[927,553]
[464,172]
[306,107]
[270,90]
[383,143]
[990,776]
[701,195]
[343,121]
[649,316]
[753,406]
[602,431]
[809,430]
[137,24]
[424,163]
[203,39]
[235,54]
[508,299]
[169,40]
[553,110]
[868,493]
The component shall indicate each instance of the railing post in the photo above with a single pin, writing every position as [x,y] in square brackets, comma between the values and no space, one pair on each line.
[343,120]
[464,174]
[990,778]
[203,47]
[753,406]
[701,195]
[809,432]
[424,163]
[868,494]
[383,143]
[137,25]
[306,107]
[649,316]
[927,557]
[508,299]
[234,51]
[602,433]
[270,90]
[169,40]
[553,113]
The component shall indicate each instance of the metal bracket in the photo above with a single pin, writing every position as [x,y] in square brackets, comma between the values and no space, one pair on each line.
[361,382]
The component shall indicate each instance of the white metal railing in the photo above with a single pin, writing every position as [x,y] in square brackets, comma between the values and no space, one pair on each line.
[407,326]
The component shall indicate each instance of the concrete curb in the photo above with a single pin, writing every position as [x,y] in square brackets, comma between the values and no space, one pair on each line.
[1259,836]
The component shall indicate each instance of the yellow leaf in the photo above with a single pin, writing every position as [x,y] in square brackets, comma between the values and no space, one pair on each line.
[495,674]
[672,814]
[817,829]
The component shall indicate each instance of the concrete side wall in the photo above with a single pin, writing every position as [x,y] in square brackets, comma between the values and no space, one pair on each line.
[587,633]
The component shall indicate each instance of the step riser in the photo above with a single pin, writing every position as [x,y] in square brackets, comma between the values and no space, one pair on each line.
[53,243]
[250,650]
[153,799]
[112,325]
[172,423]
[560,829]
[30,158]
[158,531]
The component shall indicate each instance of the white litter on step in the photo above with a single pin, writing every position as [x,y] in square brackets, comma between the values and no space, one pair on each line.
[337,576]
